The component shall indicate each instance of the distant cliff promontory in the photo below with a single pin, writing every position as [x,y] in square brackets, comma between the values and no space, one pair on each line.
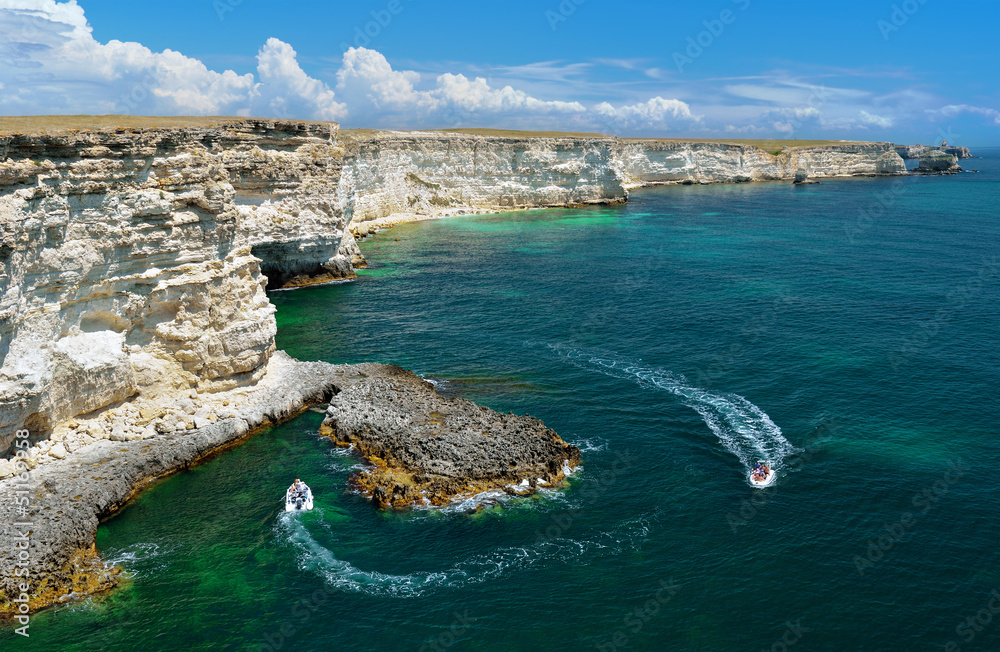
[908,152]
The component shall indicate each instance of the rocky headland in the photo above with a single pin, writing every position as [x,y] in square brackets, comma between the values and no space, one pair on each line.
[136,335]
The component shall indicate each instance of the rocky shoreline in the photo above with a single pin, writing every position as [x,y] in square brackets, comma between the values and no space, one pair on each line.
[67,498]
[472,449]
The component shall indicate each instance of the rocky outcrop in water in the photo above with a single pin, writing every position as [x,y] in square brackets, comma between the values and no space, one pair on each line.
[802,179]
[429,450]
[938,162]
[959,152]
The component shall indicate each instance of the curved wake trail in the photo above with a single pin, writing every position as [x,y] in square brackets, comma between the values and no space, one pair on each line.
[743,428]
[342,575]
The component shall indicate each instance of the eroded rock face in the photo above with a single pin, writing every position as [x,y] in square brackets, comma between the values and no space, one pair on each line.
[959,152]
[437,173]
[126,266]
[426,449]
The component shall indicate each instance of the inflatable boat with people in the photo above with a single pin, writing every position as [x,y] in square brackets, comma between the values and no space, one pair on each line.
[298,497]
[761,475]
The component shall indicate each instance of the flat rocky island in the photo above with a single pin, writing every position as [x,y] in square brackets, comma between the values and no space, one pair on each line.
[426,449]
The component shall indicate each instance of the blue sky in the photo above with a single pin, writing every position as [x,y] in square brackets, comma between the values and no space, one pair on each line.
[907,71]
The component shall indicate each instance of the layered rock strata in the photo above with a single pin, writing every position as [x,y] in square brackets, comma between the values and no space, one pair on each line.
[428,450]
[654,162]
[395,176]
[131,263]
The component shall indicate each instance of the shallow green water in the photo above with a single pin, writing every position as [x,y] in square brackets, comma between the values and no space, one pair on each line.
[847,331]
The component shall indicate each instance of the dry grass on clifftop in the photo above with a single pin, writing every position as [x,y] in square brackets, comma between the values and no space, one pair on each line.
[36,124]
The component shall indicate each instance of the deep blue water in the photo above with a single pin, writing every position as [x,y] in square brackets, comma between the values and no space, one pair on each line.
[848,331]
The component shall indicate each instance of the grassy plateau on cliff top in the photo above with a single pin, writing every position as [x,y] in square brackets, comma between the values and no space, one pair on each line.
[53,124]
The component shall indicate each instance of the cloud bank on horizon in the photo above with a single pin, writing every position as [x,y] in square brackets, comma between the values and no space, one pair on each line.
[50,63]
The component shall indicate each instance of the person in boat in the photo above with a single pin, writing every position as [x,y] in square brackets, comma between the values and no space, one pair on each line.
[298,488]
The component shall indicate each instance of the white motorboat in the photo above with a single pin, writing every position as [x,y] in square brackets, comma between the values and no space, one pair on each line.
[298,499]
[768,477]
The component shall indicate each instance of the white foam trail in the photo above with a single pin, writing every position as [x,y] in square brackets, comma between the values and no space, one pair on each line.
[743,428]
[344,576]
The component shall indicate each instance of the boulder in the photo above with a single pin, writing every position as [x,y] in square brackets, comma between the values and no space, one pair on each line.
[802,179]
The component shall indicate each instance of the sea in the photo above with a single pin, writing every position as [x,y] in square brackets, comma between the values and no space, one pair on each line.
[847,332]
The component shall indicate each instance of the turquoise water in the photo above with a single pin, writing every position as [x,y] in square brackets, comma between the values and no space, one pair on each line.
[847,331]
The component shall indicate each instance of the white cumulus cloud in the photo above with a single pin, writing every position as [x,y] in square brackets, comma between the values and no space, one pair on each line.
[287,91]
[51,63]
[875,120]
[656,112]
[388,97]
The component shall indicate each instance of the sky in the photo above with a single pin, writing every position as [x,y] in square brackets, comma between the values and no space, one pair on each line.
[907,71]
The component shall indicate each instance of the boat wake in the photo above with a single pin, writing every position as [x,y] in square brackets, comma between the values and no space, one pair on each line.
[742,428]
[341,575]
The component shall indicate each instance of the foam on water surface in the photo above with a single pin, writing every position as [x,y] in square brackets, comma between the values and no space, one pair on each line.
[742,428]
[342,575]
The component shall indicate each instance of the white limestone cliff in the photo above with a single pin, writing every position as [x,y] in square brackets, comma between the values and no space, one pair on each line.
[652,162]
[397,174]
